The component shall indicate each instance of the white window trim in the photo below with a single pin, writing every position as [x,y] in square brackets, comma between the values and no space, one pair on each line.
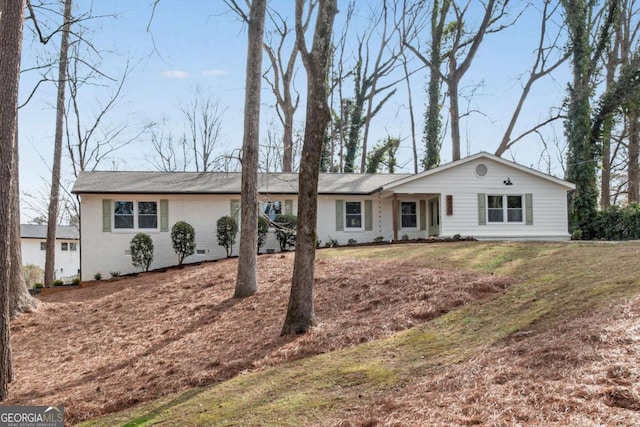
[417,215]
[135,217]
[344,217]
[505,209]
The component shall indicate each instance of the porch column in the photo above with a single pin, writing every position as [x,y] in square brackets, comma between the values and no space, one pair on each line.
[394,208]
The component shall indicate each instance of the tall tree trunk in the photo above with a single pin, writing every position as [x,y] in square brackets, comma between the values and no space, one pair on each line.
[414,144]
[300,314]
[246,283]
[634,136]
[605,179]
[11,26]
[20,300]
[52,220]
[454,113]
[582,150]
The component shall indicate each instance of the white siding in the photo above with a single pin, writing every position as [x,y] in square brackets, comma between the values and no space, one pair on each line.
[327,220]
[549,201]
[67,262]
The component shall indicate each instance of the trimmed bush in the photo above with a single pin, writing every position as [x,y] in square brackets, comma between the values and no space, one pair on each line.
[183,237]
[285,229]
[226,231]
[75,281]
[263,230]
[97,276]
[141,251]
[58,282]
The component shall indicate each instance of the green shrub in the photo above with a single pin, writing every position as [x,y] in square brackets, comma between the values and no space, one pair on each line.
[226,231]
[32,274]
[285,229]
[58,282]
[331,243]
[75,281]
[98,276]
[183,237]
[616,223]
[379,239]
[38,285]
[263,230]
[352,242]
[405,237]
[141,251]
[114,273]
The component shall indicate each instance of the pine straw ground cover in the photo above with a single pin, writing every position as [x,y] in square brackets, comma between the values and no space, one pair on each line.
[559,347]
[584,372]
[106,348]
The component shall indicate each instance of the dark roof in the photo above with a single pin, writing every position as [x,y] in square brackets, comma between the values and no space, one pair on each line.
[100,182]
[34,231]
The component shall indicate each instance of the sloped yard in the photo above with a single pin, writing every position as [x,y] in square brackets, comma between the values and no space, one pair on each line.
[106,348]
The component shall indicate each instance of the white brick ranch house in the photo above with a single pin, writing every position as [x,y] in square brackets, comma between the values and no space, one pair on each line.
[482,196]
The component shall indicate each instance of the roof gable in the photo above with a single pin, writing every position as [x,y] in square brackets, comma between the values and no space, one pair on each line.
[474,157]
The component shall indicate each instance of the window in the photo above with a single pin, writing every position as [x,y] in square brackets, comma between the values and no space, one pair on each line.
[514,208]
[147,215]
[271,209]
[64,246]
[353,214]
[43,246]
[131,215]
[73,246]
[123,215]
[409,214]
[501,207]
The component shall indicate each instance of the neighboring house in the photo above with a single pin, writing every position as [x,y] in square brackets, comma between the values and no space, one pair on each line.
[482,196]
[34,241]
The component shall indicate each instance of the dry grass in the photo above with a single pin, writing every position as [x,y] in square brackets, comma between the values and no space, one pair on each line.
[106,348]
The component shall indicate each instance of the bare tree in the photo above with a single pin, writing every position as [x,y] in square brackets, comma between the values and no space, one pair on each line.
[548,58]
[204,123]
[300,314]
[281,83]
[11,27]
[368,71]
[52,221]
[89,141]
[414,143]
[464,45]
[170,152]
[246,281]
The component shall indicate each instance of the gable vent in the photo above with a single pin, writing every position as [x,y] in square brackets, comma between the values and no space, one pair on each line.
[481,170]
